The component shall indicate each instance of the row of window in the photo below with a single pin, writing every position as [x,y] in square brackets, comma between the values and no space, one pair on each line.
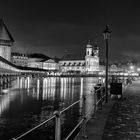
[19,57]
[71,68]
[73,64]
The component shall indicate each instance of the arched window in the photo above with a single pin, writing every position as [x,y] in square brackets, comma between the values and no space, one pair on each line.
[88,52]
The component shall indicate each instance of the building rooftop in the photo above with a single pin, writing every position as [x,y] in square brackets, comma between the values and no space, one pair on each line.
[4,32]
[38,55]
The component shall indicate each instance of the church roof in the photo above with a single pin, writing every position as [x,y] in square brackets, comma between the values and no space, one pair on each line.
[39,56]
[4,32]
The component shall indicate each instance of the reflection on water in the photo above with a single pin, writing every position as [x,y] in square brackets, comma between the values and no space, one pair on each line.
[29,101]
[89,86]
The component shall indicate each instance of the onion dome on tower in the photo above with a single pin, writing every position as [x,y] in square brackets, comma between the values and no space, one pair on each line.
[89,44]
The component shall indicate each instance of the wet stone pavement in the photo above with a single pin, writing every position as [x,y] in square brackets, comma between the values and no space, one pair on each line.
[123,122]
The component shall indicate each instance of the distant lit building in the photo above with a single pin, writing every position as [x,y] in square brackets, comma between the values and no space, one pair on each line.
[34,62]
[113,68]
[50,64]
[6,41]
[43,63]
[19,59]
[72,66]
[88,64]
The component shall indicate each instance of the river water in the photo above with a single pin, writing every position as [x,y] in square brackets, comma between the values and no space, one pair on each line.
[26,102]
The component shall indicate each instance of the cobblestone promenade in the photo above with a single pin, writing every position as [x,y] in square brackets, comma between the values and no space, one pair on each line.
[123,122]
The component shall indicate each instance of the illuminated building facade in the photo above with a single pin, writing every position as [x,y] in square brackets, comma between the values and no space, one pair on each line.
[89,64]
[72,65]
[47,64]
[50,64]
[19,59]
[6,41]
[92,58]
[35,62]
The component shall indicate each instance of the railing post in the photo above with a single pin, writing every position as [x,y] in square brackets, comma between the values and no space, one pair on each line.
[95,101]
[101,97]
[57,125]
[84,117]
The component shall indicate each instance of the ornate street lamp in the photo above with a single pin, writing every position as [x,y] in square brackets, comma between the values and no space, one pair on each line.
[106,34]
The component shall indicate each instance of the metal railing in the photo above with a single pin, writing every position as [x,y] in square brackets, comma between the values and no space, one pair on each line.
[24,134]
[98,100]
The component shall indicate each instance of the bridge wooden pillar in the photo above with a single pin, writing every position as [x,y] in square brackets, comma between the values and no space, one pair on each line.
[0,80]
[3,81]
[8,78]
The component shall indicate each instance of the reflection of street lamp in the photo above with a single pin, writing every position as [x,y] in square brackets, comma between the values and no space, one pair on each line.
[106,34]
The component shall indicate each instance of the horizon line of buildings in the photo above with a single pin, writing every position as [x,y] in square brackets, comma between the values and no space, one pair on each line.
[87,63]
[69,63]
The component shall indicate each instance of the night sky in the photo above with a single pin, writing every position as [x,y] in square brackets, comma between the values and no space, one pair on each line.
[54,27]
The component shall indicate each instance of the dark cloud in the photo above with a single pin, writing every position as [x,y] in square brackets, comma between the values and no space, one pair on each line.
[125,47]
[58,36]
[51,27]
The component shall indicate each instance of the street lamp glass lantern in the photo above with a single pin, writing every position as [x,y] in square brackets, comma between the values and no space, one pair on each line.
[106,35]
[106,32]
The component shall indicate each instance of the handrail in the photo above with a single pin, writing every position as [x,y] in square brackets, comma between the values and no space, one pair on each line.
[57,116]
[100,87]
[74,129]
[45,121]
[34,128]
[70,106]
[94,106]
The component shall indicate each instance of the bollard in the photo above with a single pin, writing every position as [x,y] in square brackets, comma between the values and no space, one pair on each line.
[57,125]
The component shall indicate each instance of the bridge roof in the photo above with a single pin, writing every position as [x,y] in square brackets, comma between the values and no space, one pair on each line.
[4,32]
[20,67]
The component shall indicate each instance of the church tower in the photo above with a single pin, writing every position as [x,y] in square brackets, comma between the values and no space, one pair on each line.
[92,58]
[96,56]
[6,41]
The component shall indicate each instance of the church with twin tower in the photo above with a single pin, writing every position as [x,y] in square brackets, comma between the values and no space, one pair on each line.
[88,64]
[92,58]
